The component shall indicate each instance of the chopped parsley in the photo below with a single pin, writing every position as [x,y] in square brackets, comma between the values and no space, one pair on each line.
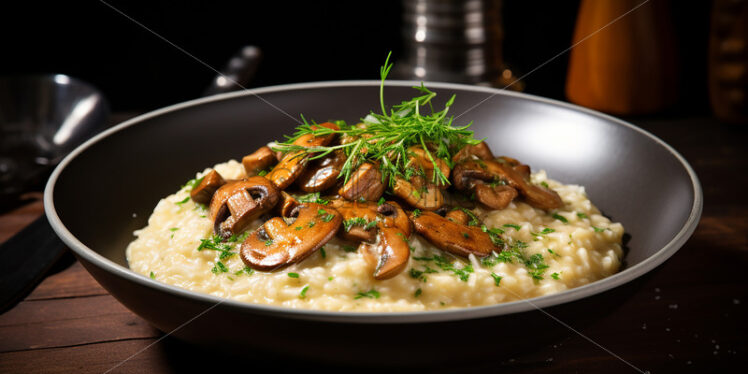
[247,270]
[214,243]
[416,213]
[328,217]
[545,231]
[514,226]
[153,276]
[560,218]
[371,294]
[582,215]
[553,253]
[357,221]
[322,252]
[302,294]
[186,199]
[349,248]
[312,198]
[174,229]
[298,228]
[466,235]
[192,183]
[418,292]
[597,229]
[496,279]
[219,268]
[494,234]
[268,242]
[554,276]
[462,273]
[473,218]
[293,275]
[312,223]
[262,173]
[381,201]
[544,184]
[419,274]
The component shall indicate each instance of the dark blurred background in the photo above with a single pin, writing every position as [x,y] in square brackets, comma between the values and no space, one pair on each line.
[300,41]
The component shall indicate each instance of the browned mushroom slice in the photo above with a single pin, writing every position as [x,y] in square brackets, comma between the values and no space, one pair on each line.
[260,160]
[519,167]
[419,158]
[453,237]
[357,218]
[292,164]
[481,151]
[418,194]
[364,184]
[287,204]
[458,216]
[392,215]
[203,192]
[494,197]
[489,187]
[538,197]
[390,254]
[237,203]
[322,173]
[277,244]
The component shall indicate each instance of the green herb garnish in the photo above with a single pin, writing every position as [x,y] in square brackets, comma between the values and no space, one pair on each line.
[312,198]
[554,276]
[186,199]
[322,252]
[293,275]
[153,276]
[302,294]
[582,215]
[372,294]
[389,134]
[496,279]
[514,226]
[219,267]
[416,213]
[560,218]
[418,292]
[597,229]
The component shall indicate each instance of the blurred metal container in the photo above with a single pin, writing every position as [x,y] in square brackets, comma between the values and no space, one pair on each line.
[453,41]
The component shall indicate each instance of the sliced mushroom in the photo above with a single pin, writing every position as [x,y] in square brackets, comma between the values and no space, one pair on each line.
[516,165]
[537,196]
[203,192]
[453,237]
[418,194]
[390,253]
[457,216]
[364,184]
[277,244]
[490,189]
[494,197]
[292,164]
[420,159]
[287,204]
[321,174]
[260,160]
[351,210]
[236,204]
[480,151]
[385,215]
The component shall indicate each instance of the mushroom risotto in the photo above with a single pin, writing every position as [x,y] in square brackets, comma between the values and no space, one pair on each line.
[401,212]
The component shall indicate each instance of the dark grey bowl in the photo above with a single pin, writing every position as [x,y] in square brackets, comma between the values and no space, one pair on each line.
[107,188]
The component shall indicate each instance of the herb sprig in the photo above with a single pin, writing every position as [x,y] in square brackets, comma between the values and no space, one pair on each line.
[384,138]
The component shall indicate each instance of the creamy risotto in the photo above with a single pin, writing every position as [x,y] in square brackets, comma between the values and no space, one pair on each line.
[546,251]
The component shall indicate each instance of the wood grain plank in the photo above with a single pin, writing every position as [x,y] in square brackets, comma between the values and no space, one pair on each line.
[67,322]
[92,358]
[74,281]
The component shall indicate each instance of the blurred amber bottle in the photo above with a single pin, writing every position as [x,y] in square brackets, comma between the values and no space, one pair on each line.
[728,60]
[628,66]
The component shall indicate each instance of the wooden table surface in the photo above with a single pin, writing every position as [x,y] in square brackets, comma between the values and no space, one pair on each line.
[689,315]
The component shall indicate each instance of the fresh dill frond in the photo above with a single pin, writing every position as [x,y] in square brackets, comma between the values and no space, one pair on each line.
[384,138]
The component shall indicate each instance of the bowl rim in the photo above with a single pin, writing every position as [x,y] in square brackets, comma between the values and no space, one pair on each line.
[566,296]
